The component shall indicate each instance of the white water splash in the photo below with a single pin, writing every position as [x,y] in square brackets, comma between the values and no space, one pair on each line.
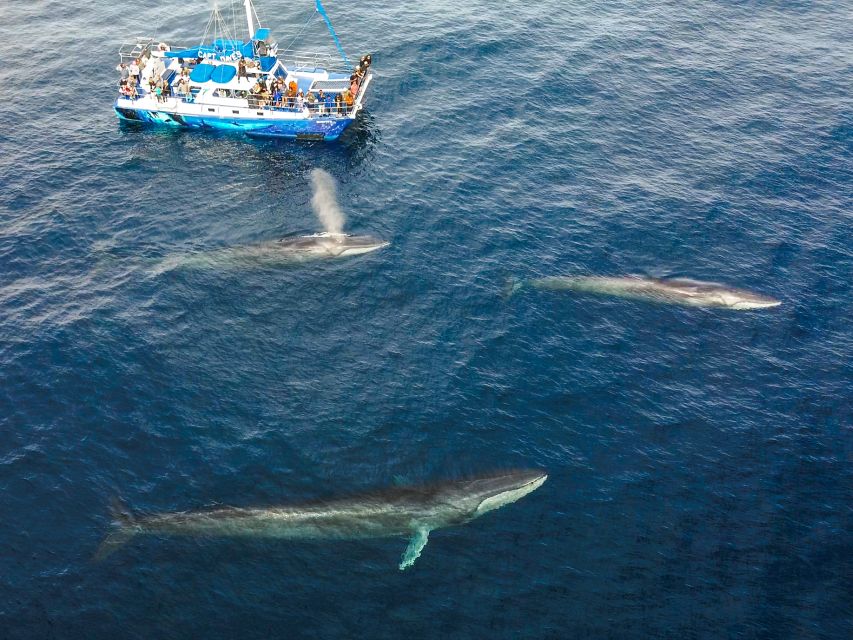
[325,203]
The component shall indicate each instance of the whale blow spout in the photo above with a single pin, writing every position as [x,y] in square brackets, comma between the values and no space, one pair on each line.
[324,202]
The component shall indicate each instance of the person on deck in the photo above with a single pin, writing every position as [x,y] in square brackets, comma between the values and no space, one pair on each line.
[321,102]
[181,88]
[241,70]
[339,104]
[349,100]
[300,102]
[292,86]
[134,70]
[310,102]
[123,72]
[289,98]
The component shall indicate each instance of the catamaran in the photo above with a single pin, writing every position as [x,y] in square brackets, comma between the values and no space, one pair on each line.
[242,85]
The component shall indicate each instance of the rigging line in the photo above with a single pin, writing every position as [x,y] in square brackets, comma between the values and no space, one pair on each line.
[299,33]
[207,28]
[257,18]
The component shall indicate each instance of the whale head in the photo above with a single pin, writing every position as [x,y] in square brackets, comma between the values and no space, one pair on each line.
[745,301]
[712,294]
[472,498]
[330,245]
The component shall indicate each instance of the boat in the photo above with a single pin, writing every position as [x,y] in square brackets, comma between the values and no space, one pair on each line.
[250,86]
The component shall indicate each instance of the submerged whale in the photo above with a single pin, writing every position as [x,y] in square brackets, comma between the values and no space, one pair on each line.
[683,291]
[411,512]
[281,252]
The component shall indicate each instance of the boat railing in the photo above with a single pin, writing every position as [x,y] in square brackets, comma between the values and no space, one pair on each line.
[138,47]
[132,49]
[249,102]
[309,61]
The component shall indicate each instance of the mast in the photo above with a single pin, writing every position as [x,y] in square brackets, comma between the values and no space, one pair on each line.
[248,4]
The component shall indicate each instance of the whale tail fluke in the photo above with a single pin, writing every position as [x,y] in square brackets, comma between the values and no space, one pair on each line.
[511,287]
[125,529]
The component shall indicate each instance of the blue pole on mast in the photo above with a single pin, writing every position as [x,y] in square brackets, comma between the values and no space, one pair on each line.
[322,12]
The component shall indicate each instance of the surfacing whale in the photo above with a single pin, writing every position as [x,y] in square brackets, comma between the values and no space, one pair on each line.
[280,252]
[682,291]
[332,243]
[410,512]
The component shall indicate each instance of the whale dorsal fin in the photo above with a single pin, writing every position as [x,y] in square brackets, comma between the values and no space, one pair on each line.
[416,545]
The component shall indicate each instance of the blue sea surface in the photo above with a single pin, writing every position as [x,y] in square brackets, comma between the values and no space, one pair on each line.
[700,461]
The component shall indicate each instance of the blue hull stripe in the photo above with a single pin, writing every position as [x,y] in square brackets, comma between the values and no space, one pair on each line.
[329,129]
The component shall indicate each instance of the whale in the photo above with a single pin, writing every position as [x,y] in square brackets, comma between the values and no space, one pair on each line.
[679,291]
[409,512]
[280,252]
[331,243]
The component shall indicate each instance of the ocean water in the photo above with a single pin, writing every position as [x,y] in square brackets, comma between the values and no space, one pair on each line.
[700,461]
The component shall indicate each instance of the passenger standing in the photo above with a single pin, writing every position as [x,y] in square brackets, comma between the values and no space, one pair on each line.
[135,71]
[311,101]
[241,70]
[123,73]
[339,104]
[330,102]
[321,102]
[300,102]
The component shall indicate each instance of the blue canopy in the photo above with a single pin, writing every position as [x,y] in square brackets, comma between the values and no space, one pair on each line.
[221,45]
[248,50]
[261,34]
[202,72]
[223,73]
